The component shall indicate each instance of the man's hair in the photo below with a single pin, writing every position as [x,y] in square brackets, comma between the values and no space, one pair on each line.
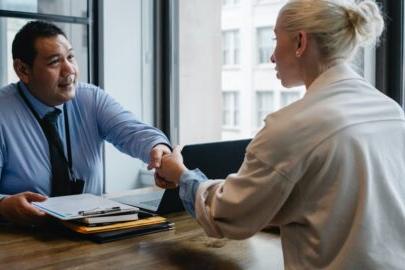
[23,47]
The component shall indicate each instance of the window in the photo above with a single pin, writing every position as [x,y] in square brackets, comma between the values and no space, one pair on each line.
[128,77]
[264,105]
[230,47]
[230,2]
[56,7]
[289,96]
[230,115]
[265,46]
[11,20]
[228,52]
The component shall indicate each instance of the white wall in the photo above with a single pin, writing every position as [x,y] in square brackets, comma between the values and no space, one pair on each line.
[125,77]
[200,70]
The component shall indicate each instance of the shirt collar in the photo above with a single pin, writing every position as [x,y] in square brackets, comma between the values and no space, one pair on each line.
[339,72]
[41,108]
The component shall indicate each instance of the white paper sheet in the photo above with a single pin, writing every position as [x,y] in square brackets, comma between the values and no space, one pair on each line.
[72,206]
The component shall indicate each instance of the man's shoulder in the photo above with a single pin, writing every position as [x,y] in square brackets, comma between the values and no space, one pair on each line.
[85,91]
[8,95]
[87,87]
[8,90]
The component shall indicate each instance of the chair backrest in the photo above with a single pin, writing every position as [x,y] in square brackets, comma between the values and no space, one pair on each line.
[217,159]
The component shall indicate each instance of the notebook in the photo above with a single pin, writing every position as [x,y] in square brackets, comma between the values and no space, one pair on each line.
[129,216]
[216,160]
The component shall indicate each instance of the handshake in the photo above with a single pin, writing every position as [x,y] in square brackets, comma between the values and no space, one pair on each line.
[168,167]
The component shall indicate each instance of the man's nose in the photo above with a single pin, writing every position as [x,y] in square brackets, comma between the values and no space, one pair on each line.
[68,67]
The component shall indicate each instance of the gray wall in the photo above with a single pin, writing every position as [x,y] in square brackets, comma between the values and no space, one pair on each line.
[126,76]
[200,70]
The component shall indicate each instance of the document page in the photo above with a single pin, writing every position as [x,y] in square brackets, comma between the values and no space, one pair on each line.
[81,205]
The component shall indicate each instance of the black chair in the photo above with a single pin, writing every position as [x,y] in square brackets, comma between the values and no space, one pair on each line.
[217,159]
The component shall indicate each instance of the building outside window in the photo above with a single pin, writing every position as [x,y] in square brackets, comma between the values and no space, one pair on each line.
[289,96]
[203,77]
[230,115]
[231,47]
[230,2]
[264,105]
[265,44]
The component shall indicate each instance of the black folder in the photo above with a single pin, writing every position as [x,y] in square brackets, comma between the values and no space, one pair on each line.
[109,236]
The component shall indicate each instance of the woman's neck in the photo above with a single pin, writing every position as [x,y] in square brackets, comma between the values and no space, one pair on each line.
[313,70]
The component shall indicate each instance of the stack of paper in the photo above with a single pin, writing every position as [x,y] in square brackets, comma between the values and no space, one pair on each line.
[101,219]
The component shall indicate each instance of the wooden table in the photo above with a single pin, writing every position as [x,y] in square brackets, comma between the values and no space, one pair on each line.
[186,247]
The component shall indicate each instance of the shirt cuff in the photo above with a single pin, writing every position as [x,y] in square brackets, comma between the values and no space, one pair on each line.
[189,183]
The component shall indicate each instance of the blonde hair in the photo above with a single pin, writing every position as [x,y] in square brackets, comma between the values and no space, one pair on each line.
[338,26]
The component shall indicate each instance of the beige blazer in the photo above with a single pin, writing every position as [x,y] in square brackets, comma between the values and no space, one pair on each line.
[330,171]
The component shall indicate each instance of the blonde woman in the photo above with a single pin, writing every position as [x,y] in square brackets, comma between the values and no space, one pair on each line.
[329,169]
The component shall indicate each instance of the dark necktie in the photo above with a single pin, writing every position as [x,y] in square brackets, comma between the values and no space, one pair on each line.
[60,170]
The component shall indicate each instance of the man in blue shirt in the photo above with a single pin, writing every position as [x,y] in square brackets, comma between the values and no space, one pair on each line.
[45,63]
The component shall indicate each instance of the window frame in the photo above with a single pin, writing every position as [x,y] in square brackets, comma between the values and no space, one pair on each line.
[90,21]
[390,52]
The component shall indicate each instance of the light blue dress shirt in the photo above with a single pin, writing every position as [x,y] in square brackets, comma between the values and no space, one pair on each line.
[94,116]
[190,180]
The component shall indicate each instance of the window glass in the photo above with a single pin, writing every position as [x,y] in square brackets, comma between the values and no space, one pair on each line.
[265,46]
[77,8]
[230,118]
[231,51]
[264,105]
[230,2]
[76,33]
[288,97]
[230,47]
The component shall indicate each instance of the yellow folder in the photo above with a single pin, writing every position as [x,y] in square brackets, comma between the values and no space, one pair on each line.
[116,226]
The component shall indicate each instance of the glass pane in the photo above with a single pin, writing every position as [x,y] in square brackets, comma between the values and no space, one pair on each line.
[289,97]
[265,37]
[211,63]
[77,34]
[264,105]
[77,8]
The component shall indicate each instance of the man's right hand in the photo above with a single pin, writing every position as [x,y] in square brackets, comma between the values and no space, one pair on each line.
[19,210]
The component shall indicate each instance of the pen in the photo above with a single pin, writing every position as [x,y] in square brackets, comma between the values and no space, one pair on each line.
[98,212]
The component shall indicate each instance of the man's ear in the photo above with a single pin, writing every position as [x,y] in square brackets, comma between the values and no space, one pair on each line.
[23,70]
[302,43]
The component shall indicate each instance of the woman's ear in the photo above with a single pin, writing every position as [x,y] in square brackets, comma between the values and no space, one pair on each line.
[302,43]
[22,70]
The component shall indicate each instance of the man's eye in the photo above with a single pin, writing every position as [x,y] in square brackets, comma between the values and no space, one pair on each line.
[53,62]
[71,56]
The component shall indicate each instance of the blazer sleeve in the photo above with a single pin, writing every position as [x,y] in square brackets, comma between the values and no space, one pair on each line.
[243,203]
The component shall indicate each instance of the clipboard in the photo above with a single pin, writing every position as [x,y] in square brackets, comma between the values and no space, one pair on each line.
[81,205]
